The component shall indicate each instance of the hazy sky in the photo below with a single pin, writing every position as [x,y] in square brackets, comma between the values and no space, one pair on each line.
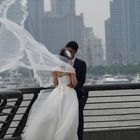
[95,12]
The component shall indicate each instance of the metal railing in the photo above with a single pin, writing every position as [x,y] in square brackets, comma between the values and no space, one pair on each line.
[107,108]
[113,108]
[14,109]
[10,101]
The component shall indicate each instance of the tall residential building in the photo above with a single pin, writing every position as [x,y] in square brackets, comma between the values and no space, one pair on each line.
[34,20]
[62,7]
[62,25]
[94,49]
[123,32]
[60,30]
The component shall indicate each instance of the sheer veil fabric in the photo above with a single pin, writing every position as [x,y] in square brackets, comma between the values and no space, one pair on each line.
[56,117]
[19,49]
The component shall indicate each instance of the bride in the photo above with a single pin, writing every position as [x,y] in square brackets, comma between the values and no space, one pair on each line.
[57,117]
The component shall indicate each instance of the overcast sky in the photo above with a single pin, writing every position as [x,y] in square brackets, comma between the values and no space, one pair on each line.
[95,12]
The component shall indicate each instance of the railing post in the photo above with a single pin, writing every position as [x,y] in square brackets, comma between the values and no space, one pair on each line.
[24,118]
[9,95]
[3,104]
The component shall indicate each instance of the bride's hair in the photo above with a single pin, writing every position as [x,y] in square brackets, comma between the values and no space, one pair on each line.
[65,53]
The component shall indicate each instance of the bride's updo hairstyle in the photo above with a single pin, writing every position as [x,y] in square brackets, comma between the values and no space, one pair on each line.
[65,53]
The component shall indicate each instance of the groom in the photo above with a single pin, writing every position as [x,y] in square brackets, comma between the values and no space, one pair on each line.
[80,68]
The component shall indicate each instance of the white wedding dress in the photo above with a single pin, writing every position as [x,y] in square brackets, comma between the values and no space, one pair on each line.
[57,116]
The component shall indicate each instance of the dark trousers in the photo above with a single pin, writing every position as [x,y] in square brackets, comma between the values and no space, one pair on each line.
[81,124]
[82,101]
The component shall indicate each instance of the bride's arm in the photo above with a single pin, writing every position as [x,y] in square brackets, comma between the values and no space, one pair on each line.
[55,79]
[73,79]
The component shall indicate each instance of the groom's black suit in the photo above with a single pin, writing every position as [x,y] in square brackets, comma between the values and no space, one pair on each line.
[80,68]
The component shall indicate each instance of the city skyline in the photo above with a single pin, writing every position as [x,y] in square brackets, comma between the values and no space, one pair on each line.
[95,13]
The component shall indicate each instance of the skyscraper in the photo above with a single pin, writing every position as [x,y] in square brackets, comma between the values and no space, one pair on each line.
[62,7]
[60,30]
[34,20]
[61,25]
[123,32]
[93,50]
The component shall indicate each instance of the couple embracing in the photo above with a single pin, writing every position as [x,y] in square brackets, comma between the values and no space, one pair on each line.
[60,117]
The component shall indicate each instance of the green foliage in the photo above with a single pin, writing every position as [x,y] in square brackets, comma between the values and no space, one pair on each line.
[115,69]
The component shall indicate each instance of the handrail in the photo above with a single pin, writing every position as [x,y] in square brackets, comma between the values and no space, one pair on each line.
[97,107]
[122,86]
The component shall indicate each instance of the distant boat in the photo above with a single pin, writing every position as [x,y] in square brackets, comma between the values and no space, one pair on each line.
[110,79]
[122,78]
[136,78]
[90,81]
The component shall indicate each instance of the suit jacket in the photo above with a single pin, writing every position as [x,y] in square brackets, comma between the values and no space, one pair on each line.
[80,68]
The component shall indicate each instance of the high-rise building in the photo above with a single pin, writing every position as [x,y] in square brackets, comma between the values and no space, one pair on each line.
[123,32]
[34,20]
[60,30]
[62,7]
[94,49]
[62,25]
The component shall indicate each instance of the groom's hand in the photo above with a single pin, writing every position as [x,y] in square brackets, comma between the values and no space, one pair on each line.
[70,85]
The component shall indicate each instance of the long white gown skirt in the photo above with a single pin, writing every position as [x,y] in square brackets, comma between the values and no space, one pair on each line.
[57,116]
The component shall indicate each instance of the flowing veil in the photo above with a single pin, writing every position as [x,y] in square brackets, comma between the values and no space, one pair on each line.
[18,49]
